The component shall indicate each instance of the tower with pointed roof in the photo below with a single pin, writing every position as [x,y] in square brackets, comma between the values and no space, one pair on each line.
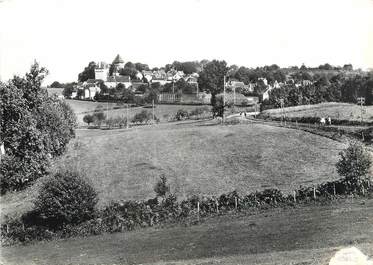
[118,64]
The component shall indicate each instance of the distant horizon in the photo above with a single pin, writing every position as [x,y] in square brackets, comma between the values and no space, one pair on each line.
[65,35]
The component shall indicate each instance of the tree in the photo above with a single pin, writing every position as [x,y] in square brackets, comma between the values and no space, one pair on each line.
[161,188]
[56,84]
[141,67]
[88,119]
[211,78]
[354,165]
[128,71]
[88,72]
[34,128]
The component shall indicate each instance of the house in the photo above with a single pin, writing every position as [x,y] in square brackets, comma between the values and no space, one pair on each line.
[90,91]
[148,75]
[113,81]
[234,98]
[101,71]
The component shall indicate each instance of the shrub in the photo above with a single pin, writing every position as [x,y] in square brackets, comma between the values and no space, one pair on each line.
[161,188]
[181,114]
[143,117]
[354,165]
[66,198]
[88,119]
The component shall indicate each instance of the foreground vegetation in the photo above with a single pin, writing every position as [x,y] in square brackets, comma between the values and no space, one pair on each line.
[66,203]
[308,234]
[34,129]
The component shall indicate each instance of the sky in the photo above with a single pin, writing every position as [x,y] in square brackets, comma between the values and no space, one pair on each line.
[65,35]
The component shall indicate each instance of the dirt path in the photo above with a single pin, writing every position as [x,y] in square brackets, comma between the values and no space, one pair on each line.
[279,236]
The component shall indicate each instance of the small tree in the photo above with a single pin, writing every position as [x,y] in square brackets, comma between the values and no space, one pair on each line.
[161,188]
[88,119]
[66,198]
[354,165]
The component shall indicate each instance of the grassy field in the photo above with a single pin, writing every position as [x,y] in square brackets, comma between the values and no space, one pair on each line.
[198,158]
[81,108]
[304,235]
[342,111]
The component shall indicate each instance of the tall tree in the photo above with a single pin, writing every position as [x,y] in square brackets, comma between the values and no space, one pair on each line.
[88,72]
[211,79]
[34,128]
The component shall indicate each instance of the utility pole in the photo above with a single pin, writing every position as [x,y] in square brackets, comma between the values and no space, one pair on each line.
[234,98]
[107,109]
[361,101]
[153,110]
[282,110]
[224,99]
[127,116]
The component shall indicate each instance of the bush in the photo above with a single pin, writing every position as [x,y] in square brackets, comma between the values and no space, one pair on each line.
[354,165]
[161,188]
[181,114]
[88,119]
[66,198]
[143,117]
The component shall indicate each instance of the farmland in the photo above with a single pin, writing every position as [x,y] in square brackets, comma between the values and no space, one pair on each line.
[81,108]
[340,111]
[199,158]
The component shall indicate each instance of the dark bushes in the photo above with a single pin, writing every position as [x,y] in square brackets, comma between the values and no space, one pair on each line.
[66,198]
[129,215]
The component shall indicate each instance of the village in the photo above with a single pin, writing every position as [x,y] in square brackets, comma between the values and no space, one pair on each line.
[107,77]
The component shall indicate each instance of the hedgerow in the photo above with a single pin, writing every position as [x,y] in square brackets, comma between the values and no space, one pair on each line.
[130,215]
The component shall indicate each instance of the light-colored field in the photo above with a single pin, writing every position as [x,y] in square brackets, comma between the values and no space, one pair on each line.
[340,111]
[81,108]
[197,157]
[309,234]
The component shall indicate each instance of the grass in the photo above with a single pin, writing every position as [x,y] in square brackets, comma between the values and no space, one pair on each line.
[340,111]
[304,235]
[81,108]
[197,158]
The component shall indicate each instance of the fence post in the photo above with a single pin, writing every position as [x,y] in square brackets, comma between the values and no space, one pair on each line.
[198,210]
[217,206]
[334,189]
[235,203]
[314,192]
[295,196]
[7,228]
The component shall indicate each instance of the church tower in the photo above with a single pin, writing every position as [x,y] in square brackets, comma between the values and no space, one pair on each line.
[118,64]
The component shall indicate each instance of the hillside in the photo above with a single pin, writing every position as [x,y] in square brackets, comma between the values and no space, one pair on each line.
[340,111]
[197,157]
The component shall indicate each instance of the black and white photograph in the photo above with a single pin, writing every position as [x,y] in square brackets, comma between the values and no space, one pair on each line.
[196,132]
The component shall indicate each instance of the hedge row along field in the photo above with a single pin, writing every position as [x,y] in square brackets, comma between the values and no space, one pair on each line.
[129,215]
